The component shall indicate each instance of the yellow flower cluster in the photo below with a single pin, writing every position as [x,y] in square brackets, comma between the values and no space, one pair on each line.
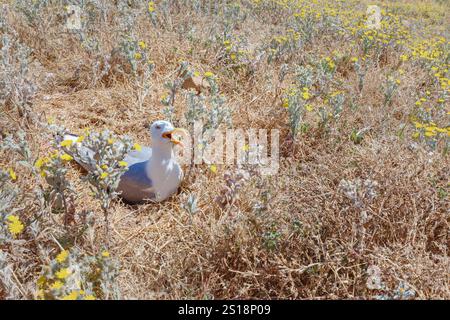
[151,6]
[62,256]
[430,130]
[12,174]
[15,226]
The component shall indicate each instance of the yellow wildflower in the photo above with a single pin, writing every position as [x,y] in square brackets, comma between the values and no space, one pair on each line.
[306,95]
[89,297]
[62,273]
[137,147]
[15,226]
[40,294]
[151,7]
[41,281]
[80,139]
[56,285]
[62,256]
[12,174]
[123,164]
[105,254]
[103,175]
[40,162]
[309,107]
[164,97]
[137,56]
[72,296]
[213,168]
[209,74]
[142,44]
[66,143]
[66,157]
[50,120]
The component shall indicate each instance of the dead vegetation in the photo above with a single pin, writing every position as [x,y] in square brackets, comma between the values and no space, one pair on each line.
[297,234]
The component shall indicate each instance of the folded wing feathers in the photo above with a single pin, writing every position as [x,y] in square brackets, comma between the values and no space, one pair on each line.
[86,159]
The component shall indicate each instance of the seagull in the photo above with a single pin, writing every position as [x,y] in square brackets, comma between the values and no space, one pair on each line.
[153,173]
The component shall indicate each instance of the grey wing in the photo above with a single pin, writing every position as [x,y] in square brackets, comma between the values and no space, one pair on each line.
[138,156]
[84,157]
[135,185]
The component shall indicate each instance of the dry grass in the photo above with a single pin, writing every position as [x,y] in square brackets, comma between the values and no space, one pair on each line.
[323,246]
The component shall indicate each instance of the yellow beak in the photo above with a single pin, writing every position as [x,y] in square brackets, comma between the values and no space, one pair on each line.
[169,135]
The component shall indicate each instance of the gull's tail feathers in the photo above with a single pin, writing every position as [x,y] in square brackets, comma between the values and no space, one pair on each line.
[84,156]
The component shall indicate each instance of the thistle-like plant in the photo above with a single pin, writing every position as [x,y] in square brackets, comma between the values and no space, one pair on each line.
[361,71]
[168,100]
[190,205]
[390,88]
[17,88]
[74,275]
[103,153]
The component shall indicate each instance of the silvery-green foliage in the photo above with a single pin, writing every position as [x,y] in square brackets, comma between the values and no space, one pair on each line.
[361,71]
[32,9]
[107,150]
[324,74]
[18,144]
[17,88]
[212,117]
[8,193]
[220,112]
[390,87]
[402,292]
[7,283]
[284,70]
[143,82]
[190,204]
[55,172]
[337,104]
[296,111]
[211,110]
[307,27]
[234,181]
[183,72]
[196,107]
[128,47]
[304,76]
[278,49]
[87,275]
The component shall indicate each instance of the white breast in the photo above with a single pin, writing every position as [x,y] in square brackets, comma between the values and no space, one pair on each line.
[166,178]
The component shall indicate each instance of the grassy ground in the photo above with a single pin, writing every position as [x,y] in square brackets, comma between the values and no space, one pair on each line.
[358,209]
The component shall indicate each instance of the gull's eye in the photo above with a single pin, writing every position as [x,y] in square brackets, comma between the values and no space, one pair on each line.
[158,127]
